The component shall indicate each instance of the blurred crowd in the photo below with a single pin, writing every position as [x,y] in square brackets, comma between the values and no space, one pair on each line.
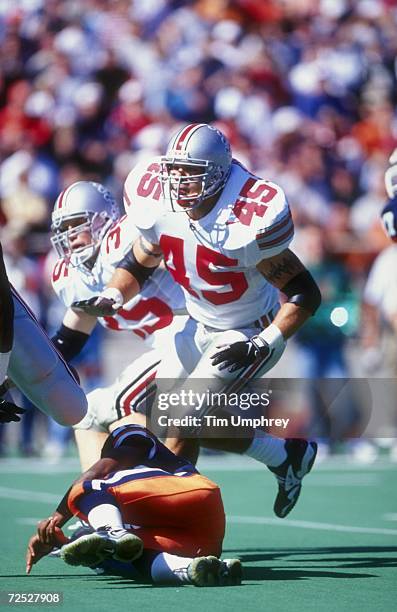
[305,91]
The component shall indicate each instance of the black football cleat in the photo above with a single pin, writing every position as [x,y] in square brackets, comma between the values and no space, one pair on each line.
[300,458]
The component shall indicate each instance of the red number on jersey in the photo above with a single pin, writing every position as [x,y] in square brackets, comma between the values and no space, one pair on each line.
[172,247]
[244,210]
[60,269]
[236,280]
[114,236]
[143,308]
[149,185]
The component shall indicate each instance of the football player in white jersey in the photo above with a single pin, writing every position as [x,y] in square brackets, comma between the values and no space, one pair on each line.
[224,235]
[32,364]
[380,291]
[91,237]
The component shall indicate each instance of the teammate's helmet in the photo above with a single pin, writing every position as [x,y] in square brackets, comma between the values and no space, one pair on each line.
[82,207]
[200,148]
[389,218]
[391,175]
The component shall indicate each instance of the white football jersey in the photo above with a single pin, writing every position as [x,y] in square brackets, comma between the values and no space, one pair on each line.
[381,286]
[214,259]
[149,311]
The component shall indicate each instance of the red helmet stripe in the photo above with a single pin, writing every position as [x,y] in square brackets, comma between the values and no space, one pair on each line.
[60,198]
[184,135]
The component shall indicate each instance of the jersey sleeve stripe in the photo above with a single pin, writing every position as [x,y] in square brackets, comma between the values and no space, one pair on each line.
[287,236]
[268,237]
[275,228]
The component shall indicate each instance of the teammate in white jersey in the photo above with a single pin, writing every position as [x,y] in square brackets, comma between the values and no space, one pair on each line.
[90,238]
[223,234]
[380,291]
[32,364]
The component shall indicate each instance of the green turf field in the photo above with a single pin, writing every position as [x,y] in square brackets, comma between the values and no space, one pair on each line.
[337,550]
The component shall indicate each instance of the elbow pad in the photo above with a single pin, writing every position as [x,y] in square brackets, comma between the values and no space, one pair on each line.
[303,291]
[139,272]
[69,342]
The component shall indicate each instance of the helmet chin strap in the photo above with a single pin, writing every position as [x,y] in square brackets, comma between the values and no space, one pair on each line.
[90,263]
[209,202]
[77,259]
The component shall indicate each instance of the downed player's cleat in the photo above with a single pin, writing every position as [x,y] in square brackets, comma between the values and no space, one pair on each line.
[91,549]
[78,529]
[211,571]
[300,458]
[231,572]
[55,553]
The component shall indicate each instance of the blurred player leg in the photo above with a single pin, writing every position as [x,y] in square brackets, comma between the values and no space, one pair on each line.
[115,405]
[89,445]
[40,373]
[289,460]
[212,380]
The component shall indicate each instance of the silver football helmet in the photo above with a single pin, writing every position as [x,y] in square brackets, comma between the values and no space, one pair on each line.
[198,157]
[84,206]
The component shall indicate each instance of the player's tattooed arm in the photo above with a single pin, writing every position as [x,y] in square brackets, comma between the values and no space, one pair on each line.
[279,270]
[286,272]
[132,272]
[149,249]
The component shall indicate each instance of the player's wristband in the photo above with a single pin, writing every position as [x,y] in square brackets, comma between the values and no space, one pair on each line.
[273,337]
[4,359]
[112,293]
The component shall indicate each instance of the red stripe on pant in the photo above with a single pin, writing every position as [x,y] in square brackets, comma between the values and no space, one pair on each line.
[126,404]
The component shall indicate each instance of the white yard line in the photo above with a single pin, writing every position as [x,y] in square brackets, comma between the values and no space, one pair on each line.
[28,521]
[221,463]
[263,520]
[29,496]
[25,495]
[390,516]
[39,466]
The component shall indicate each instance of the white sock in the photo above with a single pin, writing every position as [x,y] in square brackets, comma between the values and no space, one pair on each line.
[105,514]
[267,449]
[170,569]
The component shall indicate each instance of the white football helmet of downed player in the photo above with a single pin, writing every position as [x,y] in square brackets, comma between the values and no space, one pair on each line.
[195,167]
[83,212]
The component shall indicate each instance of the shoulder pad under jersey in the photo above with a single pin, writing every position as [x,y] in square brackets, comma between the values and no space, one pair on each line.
[62,282]
[118,241]
[143,194]
[263,208]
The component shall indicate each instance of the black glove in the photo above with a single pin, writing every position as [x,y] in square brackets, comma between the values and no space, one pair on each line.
[241,354]
[96,306]
[9,412]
